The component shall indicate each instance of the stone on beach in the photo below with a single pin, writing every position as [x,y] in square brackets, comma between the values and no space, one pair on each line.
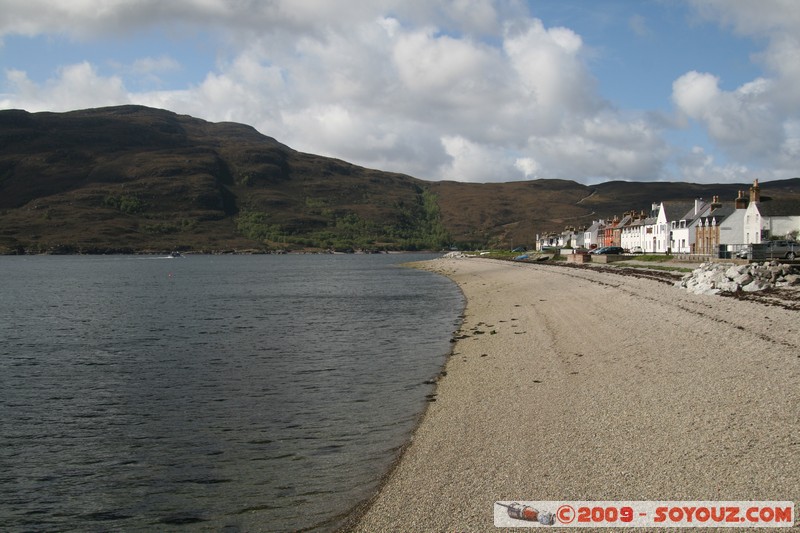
[713,278]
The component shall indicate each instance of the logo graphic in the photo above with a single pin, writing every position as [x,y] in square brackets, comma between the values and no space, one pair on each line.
[566,514]
[528,513]
[639,513]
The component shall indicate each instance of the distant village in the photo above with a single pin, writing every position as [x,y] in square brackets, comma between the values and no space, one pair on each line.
[716,228]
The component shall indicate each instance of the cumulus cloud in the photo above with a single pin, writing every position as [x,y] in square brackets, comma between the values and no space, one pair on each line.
[744,121]
[75,86]
[86,19]
[470,161]
[601,148]
[551,73]
[757,121]
[528,166]
[469,90]
[698,166]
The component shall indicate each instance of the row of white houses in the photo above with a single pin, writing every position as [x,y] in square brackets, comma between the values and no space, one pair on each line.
[697,227]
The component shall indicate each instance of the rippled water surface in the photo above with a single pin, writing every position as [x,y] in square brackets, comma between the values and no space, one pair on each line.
[224,393]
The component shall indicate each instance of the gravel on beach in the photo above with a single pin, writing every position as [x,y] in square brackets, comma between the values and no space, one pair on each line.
[579,384]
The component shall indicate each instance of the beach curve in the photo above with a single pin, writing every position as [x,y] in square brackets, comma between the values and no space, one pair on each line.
[574,384]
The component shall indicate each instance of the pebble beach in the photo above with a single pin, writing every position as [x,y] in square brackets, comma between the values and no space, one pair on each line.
[576,384]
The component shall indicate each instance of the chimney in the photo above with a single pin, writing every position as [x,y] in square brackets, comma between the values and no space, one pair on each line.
[741,201]
[697,203]
[715,203]
[755,192]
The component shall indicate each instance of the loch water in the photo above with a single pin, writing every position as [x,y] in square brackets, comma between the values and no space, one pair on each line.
[210,393]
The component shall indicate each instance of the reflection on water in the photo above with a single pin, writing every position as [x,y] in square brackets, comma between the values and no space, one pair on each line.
[211,393]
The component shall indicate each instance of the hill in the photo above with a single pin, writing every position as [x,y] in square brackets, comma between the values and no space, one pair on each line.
[132,178]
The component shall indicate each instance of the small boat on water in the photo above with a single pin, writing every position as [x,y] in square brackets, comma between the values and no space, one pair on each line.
[175,255]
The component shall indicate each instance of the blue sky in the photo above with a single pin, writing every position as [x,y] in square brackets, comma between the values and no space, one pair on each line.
[466,90]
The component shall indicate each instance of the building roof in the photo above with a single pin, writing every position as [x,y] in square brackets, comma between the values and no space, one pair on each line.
[637,222]
[778,208]
[597,224]
[625,221]
[675,210]
[719,214]
[695,211]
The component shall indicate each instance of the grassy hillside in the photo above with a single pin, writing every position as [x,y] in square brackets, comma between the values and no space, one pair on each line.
[132,178]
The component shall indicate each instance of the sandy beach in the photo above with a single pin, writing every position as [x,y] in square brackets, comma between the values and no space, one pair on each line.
[575,384]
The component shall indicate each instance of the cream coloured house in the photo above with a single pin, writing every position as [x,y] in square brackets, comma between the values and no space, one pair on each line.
[769,218]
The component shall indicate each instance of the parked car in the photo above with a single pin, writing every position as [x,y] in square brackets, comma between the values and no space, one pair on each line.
[786,249]
[771,250]
[608,250]
[637,250]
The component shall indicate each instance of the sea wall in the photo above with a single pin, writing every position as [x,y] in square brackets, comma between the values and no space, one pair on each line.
[714,278]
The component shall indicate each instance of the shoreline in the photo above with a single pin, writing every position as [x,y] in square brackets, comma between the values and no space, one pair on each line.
[352,517]
[543,399]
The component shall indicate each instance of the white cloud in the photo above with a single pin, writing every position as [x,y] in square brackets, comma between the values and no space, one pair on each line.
[86,19]
[551,74]
[743,122]
[473,162]
[23,88]
[477,16]
[748,17]
[694,92]
[76,86]
[597,158]
[434,64]
[753,122]
[528,166]
[698,166]
[471,90]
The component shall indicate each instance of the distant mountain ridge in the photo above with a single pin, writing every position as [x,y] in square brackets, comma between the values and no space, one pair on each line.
[132,178]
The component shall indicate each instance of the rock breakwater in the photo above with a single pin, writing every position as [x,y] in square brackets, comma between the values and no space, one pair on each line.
[714,278]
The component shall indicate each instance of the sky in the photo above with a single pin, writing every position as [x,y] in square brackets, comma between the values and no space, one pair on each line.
[702,91]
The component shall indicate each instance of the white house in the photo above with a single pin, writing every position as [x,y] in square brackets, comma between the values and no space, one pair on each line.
[649,240]
[632,235]
[676,226]
[628,230]
[577,237]
[683,229]
[731,229]
[658,228]
[549,239]
[769,218]
[590,234]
